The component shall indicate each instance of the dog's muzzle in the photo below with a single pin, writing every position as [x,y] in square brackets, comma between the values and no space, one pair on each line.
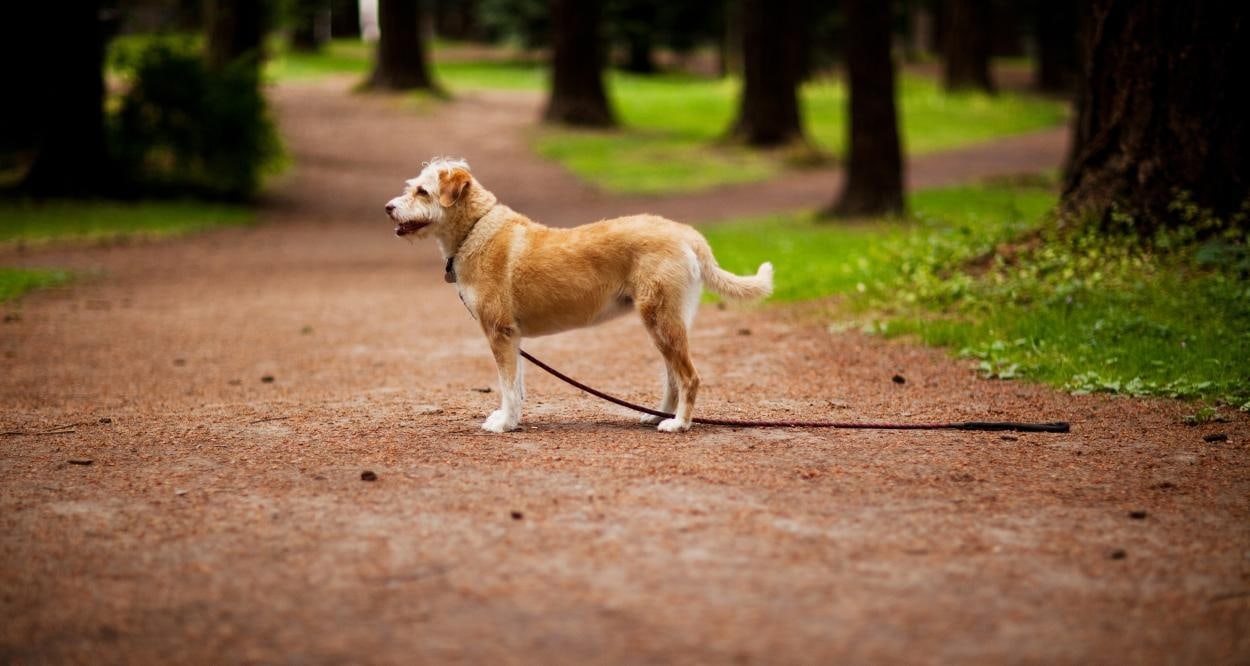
[409,227]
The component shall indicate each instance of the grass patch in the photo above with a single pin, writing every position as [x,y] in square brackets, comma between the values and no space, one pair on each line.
[675,120]
[339,56]
[77,221]
[17,281]
[1161,317]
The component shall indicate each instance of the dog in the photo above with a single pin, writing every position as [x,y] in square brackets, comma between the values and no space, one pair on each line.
[521,279]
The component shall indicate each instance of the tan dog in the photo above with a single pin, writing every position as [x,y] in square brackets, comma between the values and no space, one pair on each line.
[521,279]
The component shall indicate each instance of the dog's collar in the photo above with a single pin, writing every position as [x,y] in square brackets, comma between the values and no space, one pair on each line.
[449,271]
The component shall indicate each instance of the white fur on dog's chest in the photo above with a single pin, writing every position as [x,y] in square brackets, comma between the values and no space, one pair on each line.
[468,297]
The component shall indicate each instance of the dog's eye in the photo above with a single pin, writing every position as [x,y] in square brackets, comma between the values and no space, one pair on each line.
[421,192]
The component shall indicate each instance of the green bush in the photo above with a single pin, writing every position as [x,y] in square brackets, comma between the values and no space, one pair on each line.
[183,128]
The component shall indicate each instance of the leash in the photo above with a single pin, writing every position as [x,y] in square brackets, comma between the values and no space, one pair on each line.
[1055,426]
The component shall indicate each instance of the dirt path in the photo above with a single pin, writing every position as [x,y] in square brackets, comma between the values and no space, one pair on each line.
[223,518]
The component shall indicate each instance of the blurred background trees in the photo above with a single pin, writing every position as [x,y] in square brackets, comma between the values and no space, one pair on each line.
[577,58]
[402,62]
[1159,109]
[874,172]
[772,63]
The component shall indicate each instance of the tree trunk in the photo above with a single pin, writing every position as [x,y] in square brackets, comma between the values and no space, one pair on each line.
[731,42]
[1162,109]
[1058,48]
[311,29]
[402,62]
[235,29]
[345,19]
[966,45]
[577,93]
[457,19]
[874,178]
[61,102]
[768,114]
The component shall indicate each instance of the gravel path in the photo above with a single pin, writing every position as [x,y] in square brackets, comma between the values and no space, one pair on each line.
[229,390]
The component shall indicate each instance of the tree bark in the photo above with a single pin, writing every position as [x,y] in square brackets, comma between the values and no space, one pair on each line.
[1057,25]
[768,113]
[61,102]
[577,93]
[235,29]
[966,45]
[311,29]
[345,19]
[402,62]
[457,19]
[1162,108]
[874,178]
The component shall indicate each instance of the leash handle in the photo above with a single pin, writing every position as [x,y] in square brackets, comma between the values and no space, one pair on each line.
[1053,426]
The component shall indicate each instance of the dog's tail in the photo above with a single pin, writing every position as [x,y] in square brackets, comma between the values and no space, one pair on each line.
[724,283]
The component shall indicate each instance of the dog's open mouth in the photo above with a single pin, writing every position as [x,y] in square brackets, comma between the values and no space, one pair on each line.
[409,227]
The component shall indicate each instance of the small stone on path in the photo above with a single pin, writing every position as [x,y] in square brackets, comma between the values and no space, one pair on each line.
[368,475]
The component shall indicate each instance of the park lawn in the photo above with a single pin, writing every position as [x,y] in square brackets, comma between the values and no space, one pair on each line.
[53,222]
[17,281]
[1112,315]
[34,223]
[673,126]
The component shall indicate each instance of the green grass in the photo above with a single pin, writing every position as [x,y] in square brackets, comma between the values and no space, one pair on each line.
[17,281]
[676,121]
[78,221]
[1082,313]
[340,56]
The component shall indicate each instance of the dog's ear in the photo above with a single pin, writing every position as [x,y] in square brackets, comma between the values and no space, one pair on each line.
[451,186]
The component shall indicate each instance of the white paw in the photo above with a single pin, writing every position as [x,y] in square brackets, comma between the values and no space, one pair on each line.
[672,425]
[498,421]
[648,419]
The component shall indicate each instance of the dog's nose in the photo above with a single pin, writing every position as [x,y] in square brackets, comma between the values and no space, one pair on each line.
[390,208]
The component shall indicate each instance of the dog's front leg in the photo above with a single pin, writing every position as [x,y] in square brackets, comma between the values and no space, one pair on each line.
[504,344]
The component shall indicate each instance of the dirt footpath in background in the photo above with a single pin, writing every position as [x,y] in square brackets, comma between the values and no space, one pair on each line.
[230,389]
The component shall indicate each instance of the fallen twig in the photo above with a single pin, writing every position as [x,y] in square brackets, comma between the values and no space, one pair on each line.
[269,418]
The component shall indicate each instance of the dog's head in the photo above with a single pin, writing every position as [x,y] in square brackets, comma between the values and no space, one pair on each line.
[433,199]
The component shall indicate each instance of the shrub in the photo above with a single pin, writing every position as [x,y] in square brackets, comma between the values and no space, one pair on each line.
[183,128]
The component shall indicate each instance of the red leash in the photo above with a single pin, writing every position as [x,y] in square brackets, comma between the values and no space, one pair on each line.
[1056,426]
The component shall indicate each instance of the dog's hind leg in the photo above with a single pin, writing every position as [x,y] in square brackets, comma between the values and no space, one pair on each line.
[665,319]
[669,402]
[505,346]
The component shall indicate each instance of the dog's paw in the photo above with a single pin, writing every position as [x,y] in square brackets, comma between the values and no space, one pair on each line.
[498,421]
[648,419]
[672,425]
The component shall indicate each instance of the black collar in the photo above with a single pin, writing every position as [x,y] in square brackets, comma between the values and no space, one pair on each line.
[449,271]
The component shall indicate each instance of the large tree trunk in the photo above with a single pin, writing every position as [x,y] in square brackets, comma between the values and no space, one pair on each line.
[235,29]
[966,45]
[768,114]
[311,29]
[344,19]
[402,62]
[1058,48]
[874,179]
[577,94]
[457,19]
[1162,108]
[60,103]
[637,21]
